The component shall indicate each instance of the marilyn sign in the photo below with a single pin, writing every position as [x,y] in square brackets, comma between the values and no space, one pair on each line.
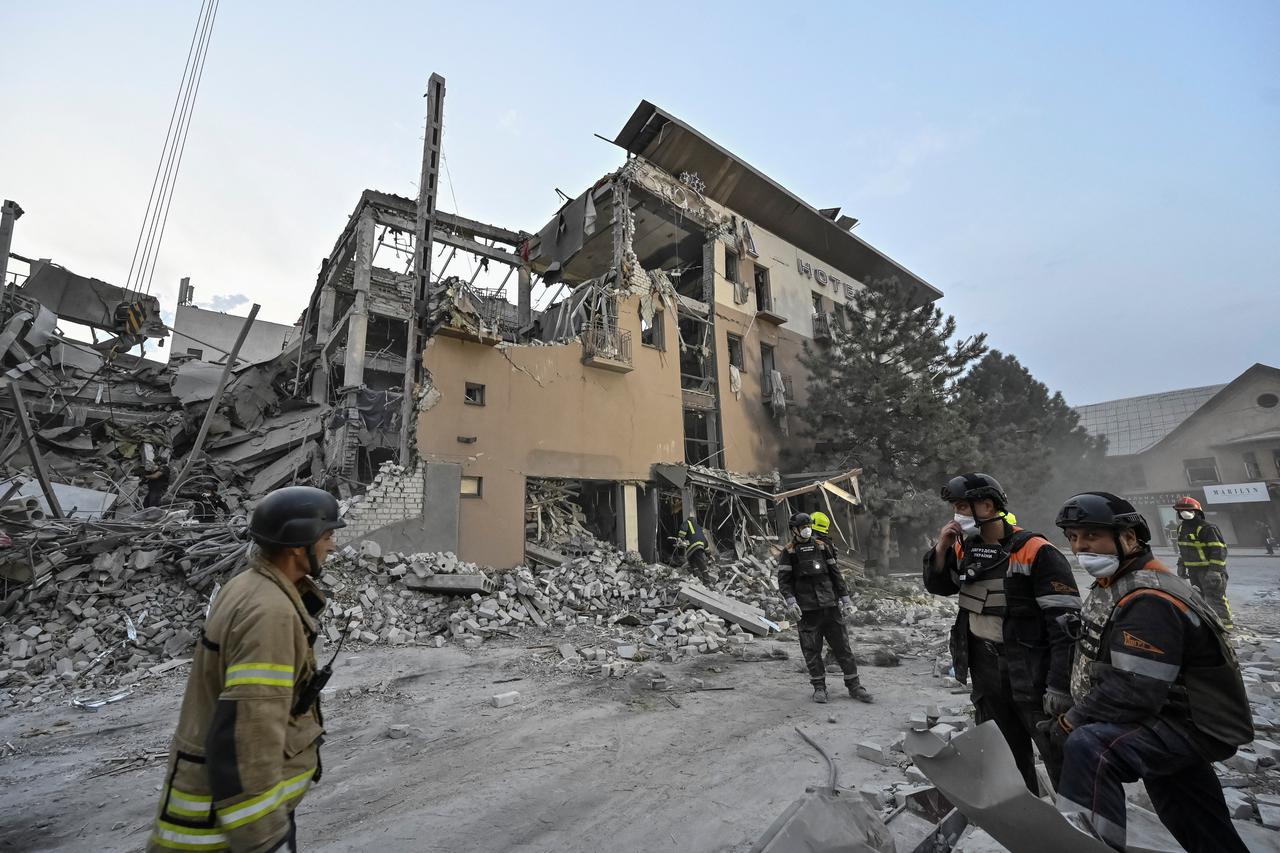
[1237,493]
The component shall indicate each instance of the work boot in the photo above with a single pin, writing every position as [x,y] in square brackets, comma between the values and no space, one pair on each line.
[820,694]
[857,691]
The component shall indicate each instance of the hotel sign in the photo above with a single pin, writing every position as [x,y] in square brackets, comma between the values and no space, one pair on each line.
[1237,493]
[824,278]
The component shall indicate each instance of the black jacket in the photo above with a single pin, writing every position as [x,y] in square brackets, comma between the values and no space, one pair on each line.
[1039,589]
[808,573]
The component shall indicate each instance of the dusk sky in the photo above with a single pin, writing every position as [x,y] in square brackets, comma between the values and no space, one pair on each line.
[1097,185]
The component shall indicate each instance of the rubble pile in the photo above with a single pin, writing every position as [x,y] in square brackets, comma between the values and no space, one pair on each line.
[553,516]
[118,620]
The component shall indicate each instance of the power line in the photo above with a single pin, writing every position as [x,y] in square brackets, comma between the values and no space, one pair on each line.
[155,218]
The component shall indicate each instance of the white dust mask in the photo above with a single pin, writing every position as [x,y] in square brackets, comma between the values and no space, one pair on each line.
[1099,565]
[1187,515]
[806,532]
[967,523]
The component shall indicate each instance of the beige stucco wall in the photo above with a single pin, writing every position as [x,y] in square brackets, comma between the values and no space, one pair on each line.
[546,414]
[1234,415]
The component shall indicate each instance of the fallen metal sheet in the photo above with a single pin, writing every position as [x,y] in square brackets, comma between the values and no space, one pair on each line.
[76,502]
[88,300]
[826,822]
[95,704]
[977,773]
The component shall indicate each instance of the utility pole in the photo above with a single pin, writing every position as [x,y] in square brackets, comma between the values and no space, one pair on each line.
[424,294]
[9,213]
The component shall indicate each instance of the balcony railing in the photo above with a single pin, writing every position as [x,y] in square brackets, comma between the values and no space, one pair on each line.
[822,324]
[788,390]
[606,346]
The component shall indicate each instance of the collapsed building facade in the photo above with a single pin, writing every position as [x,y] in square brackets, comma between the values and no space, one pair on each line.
[660,379]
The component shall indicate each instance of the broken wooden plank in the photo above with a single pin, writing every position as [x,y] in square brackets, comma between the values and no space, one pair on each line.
[451,584]
[749,618]
[37,459]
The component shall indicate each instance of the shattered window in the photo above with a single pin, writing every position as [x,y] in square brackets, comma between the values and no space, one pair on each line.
[764,297]
[731,265]
[193,351]
[472,487]
[651,330]
[474,394]
[817,303]
[1200,471]
[735,351]
[766,362]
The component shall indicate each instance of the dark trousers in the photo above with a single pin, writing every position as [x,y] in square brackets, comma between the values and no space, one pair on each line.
[698,562]
[1212,584]
[817,626]
[1182,785]
[993,700]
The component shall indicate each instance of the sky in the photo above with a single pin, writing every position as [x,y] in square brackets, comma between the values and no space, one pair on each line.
[1095,185]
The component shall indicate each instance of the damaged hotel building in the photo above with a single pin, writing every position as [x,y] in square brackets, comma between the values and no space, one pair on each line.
[660,380]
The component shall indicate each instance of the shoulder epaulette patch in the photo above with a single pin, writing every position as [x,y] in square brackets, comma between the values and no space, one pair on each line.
[1138,643]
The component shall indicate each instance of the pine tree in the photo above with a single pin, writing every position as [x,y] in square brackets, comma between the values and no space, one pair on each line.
[880,399]
[1029,439]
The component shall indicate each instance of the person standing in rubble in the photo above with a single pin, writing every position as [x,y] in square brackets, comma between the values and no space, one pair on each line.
[249,732]
[1008,640]
[818,598]
[1156,688]
[1202,556]
[694,541]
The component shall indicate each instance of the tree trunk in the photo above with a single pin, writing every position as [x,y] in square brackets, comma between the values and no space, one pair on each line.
[884,546]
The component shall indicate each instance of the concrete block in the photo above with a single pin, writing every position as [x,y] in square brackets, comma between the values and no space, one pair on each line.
[397,732]
[1266,748]
[1239,803]
[502,700]
[1243,761]
[943,731]
[872,795]
[471,642]
[872,751]
[1270,815]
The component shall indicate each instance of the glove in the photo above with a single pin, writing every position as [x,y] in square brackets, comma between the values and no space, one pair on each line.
[1056,729]
[794,609]
[1056,702]
[845,606]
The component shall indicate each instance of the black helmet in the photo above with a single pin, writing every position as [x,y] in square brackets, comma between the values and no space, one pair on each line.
[294,517]
[801,519]
[973,487]
[1103,509]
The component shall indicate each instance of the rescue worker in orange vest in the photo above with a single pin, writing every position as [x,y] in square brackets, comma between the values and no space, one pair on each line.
[1156,688]
[1009,640]
[1202,556]
[248,740]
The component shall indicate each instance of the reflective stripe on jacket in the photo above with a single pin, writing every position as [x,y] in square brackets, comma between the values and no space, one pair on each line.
[1200,545]
[691,534]
[241,760]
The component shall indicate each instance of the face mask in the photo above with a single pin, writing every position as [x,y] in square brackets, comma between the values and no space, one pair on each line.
[1187,515]
[1099,565]
[968,524]
[806,532]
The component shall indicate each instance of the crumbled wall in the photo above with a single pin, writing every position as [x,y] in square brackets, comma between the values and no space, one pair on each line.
[395,495]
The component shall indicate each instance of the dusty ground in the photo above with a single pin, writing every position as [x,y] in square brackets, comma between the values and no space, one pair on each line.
[579,764]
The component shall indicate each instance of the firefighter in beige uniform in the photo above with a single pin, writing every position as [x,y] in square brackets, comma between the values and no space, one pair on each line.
[249,732]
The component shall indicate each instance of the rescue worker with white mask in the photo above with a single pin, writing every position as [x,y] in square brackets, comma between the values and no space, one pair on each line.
[1010,640]
[1156,690]
[818,598]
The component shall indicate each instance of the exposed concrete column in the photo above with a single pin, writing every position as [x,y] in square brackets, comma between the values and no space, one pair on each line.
[9,213]
[630,517]
[357,323]
[324,331]
[524,304]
